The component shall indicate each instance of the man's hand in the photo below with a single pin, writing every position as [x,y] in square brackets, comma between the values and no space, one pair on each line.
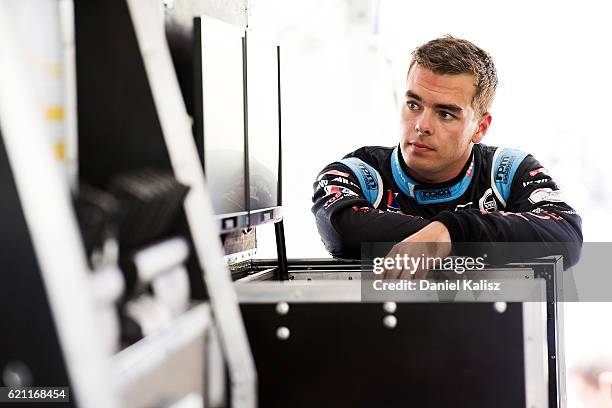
[435,232]
[432,241]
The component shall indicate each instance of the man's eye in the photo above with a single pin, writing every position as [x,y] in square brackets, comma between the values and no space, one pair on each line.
[446,116]
[412,106]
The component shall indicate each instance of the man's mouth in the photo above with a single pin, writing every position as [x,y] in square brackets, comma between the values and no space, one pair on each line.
[420,147]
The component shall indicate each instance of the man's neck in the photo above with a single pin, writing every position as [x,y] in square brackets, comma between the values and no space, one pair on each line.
[443,175]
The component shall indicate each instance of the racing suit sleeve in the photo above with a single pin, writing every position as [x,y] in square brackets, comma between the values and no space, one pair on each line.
[535,212]
[345,218]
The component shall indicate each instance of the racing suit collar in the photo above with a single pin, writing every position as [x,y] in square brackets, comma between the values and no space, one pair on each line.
[425,193]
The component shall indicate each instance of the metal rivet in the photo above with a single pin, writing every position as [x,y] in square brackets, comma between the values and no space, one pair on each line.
[390,321]
[16,374]
[500,307]
[282,333]
[282,308]
[390,307]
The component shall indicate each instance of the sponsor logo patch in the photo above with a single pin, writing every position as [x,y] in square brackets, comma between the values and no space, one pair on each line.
[513,214]
[470,169]
[392,203]
[546,194]
[334,173]
[338,196]
[429,195]
[537,171]
[370,179]
[464,206]
[539,181]
[502,172]
[487,202]
[342,190]
[344,181]
[411,189]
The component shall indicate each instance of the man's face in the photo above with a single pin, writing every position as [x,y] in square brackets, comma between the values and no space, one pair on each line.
[438,124]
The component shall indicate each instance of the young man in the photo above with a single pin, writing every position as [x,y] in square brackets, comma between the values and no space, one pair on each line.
[440,184]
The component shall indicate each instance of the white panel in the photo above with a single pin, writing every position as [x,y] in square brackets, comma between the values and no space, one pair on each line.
[223,104]
[263,121]
[535,352]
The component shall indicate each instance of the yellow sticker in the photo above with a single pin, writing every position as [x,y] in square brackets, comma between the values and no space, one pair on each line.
[60,151]
[55,113]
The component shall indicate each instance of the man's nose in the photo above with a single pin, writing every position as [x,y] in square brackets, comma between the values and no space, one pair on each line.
[423,123]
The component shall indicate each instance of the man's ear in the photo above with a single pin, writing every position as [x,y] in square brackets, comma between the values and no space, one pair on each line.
[482,127]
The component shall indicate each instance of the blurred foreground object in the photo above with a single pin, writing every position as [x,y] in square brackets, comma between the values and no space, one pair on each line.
[592,381]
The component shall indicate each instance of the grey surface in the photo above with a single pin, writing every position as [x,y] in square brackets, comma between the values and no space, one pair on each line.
[517,284]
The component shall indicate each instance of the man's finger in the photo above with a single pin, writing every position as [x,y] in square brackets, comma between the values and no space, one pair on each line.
[421,273]
[393,273]
[406,274]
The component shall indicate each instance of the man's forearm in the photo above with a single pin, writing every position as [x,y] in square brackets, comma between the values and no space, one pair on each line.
[353,225]
[548,228]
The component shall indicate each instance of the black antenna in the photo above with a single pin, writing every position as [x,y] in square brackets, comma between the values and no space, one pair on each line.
[198,93]
[247,178]
[279,229]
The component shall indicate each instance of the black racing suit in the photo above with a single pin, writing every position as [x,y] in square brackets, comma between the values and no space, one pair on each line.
[501,195]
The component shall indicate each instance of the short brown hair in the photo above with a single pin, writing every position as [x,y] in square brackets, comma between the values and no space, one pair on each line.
[449,55]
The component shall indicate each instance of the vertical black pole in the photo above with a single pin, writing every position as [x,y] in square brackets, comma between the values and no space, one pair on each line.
[282,272]
[279,229]
[198,90]
[247,169]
